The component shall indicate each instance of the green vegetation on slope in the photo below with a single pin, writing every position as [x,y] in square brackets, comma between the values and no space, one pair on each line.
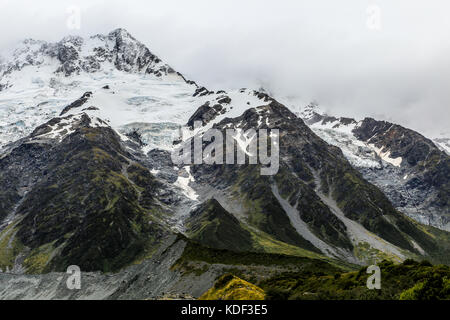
[213,226]
[264,210]
[320,220]
[286,277]
[409,280]
[229,287]
[199,253]
[10,247]
[95,207]
[441,252]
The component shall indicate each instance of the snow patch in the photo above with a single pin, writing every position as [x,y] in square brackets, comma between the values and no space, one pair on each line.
[385,155]
[183,184]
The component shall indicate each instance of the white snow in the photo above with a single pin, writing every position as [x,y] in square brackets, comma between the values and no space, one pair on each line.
[132,98]
[183,184]
[385,155]
[443,143]
[360,154]
[357,152]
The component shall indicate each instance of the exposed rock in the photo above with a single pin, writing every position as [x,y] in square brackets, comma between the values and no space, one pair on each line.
[303,155]
[205,114]
[118,48]
[421,187]
[77,103]
[202,91]
[81,190]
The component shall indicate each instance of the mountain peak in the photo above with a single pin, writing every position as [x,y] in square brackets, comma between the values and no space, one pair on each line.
[311,112]
[74,55]
[120,32]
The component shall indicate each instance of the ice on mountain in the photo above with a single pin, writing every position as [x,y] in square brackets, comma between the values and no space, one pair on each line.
[386,156]
[36,93]
[137,101]
[153,135]
[184,179]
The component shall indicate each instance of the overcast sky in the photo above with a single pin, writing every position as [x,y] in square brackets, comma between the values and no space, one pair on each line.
[387,59]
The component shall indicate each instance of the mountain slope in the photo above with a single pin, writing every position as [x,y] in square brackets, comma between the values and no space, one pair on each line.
[213,226]
[315,182]
[409,168]
[38,79]
[88,191]
[229,287]
[87,177]
[75,54]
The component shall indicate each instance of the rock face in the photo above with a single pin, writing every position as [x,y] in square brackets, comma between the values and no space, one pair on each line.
[85,189]
[75,55]
[317,200]
[401,142]
[205,114]
[77,103]
[425,170]
[409,168]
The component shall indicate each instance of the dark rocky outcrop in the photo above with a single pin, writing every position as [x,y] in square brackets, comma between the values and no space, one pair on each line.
[213,226]
[77,103]
[205,114]
[202,91]
[425,166]
[87,201]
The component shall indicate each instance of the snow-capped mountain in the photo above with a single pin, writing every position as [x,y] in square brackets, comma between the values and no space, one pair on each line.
[396,159]
[74,54]
[443,143]
[128,85]
[38,79]
[87,126]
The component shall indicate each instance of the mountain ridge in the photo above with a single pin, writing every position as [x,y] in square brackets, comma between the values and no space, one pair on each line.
[410,168]
[76,54]
[98,167]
